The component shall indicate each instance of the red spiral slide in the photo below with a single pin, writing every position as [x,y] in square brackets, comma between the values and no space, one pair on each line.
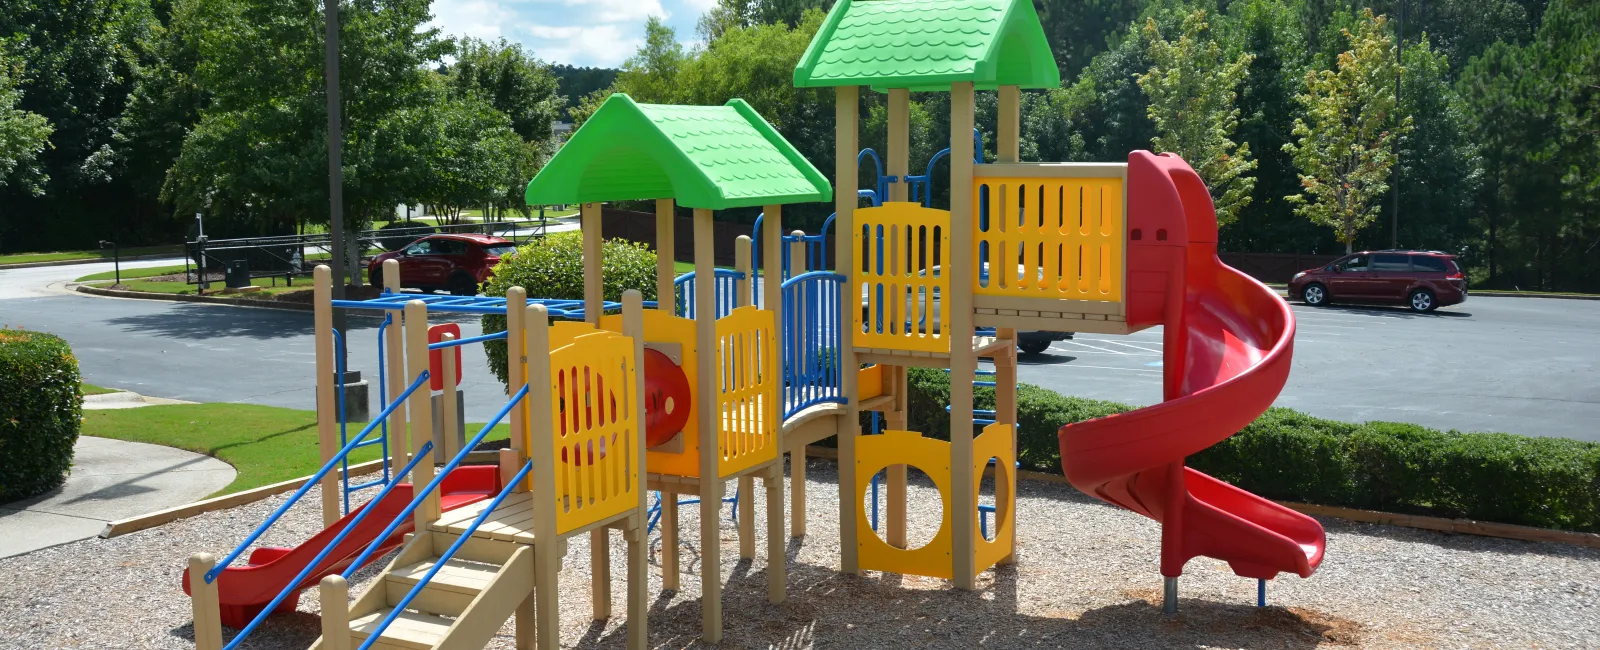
[1228,342]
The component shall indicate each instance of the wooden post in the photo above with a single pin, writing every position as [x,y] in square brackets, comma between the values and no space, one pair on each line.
[421,408]
[600,572]
[207,606]
[711,484]
[517,375]
[898,146]
[638,546]
[669,541]
[777,551]
[448,408]
[666,256]
[1008,148]
[547,553]
[335,597]
[963,499]
[593,282]
[747,483]
[327,388]
[847,111]
[395,365]
[895,495]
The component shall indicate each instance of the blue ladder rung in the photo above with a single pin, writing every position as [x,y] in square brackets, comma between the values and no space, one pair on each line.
[983,384]
[368,443]
[363,486]
[981,421]
[986,509]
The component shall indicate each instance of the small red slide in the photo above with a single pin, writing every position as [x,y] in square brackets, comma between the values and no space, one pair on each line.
[244,590]
[1228,341]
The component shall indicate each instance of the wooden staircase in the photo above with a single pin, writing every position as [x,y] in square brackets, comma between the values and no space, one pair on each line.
[463,606]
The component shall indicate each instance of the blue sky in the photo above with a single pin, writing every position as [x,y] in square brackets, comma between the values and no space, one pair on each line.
[576,32]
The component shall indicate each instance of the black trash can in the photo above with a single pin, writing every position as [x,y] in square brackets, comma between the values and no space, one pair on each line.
[238,274]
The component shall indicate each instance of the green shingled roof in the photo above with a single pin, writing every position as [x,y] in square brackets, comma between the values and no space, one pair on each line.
[713,157]
[929,44]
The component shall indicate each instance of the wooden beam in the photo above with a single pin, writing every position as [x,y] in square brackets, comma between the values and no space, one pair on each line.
[327,387]
[711,486]
[421,408]
[395,351]
[666,269]
[847,113]
[960,269]
[167,515]
[517,374]
[898,147]
[593,280]
[546,555]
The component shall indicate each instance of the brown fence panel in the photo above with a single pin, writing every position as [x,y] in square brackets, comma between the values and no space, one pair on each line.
[1274,268]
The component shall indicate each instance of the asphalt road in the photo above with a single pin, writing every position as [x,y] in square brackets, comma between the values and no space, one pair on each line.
[1516,365]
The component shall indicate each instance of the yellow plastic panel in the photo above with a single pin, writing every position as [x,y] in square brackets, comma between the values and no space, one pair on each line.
[869,383]
[748,369]
[663,327]
[899,246]
[1054,238]
[596,429]
[873,454]
[996,442]
[562,334]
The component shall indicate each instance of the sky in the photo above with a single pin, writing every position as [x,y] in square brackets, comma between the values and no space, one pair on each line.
[576,32]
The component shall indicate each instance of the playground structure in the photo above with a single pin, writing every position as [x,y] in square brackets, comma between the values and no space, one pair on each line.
[728,369]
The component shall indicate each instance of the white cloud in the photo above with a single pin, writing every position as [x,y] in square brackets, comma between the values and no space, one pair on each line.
[577,32]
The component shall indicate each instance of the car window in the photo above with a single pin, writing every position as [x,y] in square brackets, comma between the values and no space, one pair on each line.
[1357,263]
[1428,263]
[500,250]
[1391,262]
[449,247]
[424,247]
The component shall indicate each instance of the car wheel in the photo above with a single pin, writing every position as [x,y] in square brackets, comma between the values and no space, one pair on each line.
[463,285]
[1314,294]
[1422,300]
[1034,347]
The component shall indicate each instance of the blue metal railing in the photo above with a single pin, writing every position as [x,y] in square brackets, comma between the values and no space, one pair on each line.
[812,328]
[294,585]
[726,282]
[383,423]
[497,336]
[421,495]
[922,186]
[416,589]
[215,571]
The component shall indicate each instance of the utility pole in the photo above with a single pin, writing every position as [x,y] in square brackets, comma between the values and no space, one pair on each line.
[335,168]
[1394,187]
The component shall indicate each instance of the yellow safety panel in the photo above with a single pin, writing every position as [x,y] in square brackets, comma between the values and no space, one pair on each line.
[664,328]
[873,454]
[869,382]
[996,442]
[1060,238]
[596,432]
[900,246]
[748,369]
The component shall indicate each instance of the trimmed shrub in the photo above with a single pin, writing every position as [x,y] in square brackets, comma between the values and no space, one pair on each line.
[41,410]
[398,234]
[1292,456]
[552,267]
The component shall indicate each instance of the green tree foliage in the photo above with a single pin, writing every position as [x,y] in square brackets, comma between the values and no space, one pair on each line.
[1438,166]
[1346,140]
[23,134]
[1193,95]
[522,89]
[574,83]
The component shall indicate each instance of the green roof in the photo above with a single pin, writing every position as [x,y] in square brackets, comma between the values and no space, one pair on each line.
[928,45]
[713,157]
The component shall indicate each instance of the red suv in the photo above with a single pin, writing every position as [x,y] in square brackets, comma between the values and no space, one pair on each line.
[455,263]
[1422,280]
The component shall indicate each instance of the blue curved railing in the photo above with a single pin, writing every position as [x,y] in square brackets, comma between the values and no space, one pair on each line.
[383,435]
[726,283]
[922,186]
[812,327]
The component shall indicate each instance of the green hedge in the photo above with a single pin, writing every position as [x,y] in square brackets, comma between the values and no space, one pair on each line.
[1291,456]
[41,411]
[552,267]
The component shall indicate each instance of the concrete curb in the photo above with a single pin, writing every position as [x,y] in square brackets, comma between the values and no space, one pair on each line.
[97,260]
[210,300]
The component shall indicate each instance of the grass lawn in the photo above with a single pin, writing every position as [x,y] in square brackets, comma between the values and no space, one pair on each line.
[264,444]
[91,389]
[97,254]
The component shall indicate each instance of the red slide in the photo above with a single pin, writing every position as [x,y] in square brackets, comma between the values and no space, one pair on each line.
[1228,342]
[244,590]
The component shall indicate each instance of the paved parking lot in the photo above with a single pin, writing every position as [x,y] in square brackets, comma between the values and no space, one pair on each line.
[1517,365]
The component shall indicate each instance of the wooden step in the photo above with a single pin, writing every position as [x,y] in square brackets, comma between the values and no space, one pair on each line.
[450,591]
[409,630]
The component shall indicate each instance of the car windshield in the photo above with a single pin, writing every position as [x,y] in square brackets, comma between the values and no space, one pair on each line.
[500,250]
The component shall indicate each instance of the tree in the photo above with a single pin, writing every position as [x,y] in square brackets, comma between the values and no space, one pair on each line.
[23,135]
[1193,91]
[458,153]
[512,81]
[1438,168]
[1345,144]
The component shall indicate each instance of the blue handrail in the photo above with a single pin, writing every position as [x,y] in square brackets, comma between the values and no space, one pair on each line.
[416,589]
[383,433]
[471,339]
[422,494]
[211,575]
[725,282]
[811,343]
[294,585]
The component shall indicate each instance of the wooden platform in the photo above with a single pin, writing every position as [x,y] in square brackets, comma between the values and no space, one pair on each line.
[511,522]
[982,347]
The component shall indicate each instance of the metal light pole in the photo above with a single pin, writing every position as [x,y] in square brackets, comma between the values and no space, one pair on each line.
[335,169]
[1399,47]
[116,257]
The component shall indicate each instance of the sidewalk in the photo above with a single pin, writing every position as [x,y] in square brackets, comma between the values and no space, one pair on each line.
[110,480]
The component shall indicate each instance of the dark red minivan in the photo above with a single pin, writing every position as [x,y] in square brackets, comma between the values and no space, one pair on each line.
[455,263]
[1421,280]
